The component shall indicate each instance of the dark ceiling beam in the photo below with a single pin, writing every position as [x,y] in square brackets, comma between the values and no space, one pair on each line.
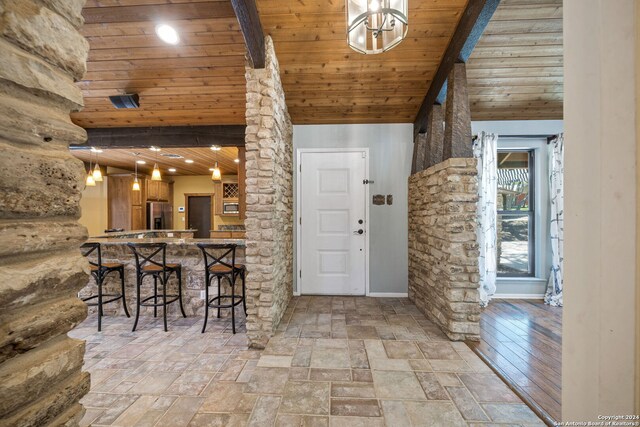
[157,13]
[474,20]
[249,20]
[164,137]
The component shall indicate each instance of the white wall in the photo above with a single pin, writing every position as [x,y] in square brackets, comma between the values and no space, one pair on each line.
[600,110]
[390,153]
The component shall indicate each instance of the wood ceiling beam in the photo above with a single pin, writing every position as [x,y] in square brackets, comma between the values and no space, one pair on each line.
[247,14]
[474,20]
[158,13]
[164,137]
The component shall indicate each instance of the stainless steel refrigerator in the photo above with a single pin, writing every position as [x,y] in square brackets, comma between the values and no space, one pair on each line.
[159,216]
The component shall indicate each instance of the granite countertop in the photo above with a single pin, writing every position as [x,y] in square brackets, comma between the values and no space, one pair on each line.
[168,240]
[117,234]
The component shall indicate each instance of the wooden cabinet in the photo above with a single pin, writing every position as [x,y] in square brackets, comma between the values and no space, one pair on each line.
[137,217]
[158,191]
[125,208]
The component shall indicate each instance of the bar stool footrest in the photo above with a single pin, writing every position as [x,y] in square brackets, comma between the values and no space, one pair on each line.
[116,297]
[238,300]
[159,304]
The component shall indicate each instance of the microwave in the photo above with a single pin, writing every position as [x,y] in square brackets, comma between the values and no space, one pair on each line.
[230,208]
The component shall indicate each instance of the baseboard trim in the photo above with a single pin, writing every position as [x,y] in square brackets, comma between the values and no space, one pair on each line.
[374,294]
[388,294]
[518,296]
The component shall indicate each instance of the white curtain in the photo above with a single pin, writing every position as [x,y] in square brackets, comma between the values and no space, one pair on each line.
[485,149]
[553,295]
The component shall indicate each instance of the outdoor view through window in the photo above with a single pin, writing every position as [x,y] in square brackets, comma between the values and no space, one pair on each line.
[515,213]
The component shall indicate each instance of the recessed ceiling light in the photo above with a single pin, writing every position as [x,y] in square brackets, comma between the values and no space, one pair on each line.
[188,161]
[237,160]
[167,34]
[96,150]
[152,148]
[171,169]
[140,162]
[216,148]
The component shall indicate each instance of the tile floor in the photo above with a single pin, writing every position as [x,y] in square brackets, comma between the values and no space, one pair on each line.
[334,361]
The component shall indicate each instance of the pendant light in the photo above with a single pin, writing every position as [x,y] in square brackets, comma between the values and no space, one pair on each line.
[375,26]
[90,182]
[97,173]
[155,175]
[136,184]
[216,175]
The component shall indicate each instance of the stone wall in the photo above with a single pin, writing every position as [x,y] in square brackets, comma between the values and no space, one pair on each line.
[443,251]
[41,270]
[269,193]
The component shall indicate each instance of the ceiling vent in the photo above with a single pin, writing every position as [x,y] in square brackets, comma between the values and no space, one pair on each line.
[171,156]
[130,100]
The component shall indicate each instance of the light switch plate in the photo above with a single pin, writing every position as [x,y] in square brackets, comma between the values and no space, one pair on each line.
[201,294]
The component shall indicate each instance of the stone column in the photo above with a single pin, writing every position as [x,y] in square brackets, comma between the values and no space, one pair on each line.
[457,132]
[419,152]
[269,195]
[435,137]
[41,269]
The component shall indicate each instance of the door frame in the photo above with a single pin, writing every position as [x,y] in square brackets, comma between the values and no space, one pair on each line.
[186,208]
[298,210]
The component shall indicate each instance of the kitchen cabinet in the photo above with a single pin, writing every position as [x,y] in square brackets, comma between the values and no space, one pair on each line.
[124,206]
[158,191]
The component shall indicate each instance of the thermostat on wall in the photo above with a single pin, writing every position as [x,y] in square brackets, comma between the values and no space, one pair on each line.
[180,208]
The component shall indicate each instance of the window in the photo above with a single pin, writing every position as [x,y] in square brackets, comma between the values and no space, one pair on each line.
[516,213]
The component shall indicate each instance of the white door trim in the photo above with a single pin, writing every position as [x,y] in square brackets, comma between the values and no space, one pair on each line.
[298,175]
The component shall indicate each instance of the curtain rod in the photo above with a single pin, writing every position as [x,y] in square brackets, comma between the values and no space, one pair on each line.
[549,138]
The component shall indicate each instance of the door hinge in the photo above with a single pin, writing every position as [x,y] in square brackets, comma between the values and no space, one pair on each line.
[300,220]
[300,167]
[301,274]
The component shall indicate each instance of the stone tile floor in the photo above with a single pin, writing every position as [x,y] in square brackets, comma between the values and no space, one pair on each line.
[334,361]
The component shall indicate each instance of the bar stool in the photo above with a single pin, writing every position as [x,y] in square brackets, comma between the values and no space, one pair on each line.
[100,270]
[159,270]
[216,267]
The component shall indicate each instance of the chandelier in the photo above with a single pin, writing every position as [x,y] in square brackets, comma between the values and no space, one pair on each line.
[375,26]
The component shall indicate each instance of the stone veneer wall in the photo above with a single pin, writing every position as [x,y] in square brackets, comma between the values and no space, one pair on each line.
[443,250]
[269,195]
[41,269]
[193,278]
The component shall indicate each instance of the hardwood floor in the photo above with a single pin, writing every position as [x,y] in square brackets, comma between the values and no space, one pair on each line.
[522,341]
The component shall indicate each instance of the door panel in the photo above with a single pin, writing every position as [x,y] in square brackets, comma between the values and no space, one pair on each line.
[199,215]
[332,201]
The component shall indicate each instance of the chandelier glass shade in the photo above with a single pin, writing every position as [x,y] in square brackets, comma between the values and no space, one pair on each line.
[375,26]
[216,175]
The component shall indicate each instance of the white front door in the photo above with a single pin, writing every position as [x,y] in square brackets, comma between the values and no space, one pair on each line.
[332,225]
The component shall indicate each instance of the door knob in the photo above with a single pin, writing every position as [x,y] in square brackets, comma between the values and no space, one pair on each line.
[360,231]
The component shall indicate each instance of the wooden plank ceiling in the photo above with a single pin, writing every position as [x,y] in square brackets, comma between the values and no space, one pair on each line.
[199,81]
[203,159]
[327,82]
[515,71]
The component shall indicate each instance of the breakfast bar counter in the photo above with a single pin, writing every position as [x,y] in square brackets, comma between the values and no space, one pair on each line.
[182,251]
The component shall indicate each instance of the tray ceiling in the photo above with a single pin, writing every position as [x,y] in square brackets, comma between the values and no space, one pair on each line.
[203,159]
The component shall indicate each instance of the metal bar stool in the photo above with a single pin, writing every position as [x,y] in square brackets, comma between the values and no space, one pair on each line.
[99,271]
[159,270]
[217,267]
